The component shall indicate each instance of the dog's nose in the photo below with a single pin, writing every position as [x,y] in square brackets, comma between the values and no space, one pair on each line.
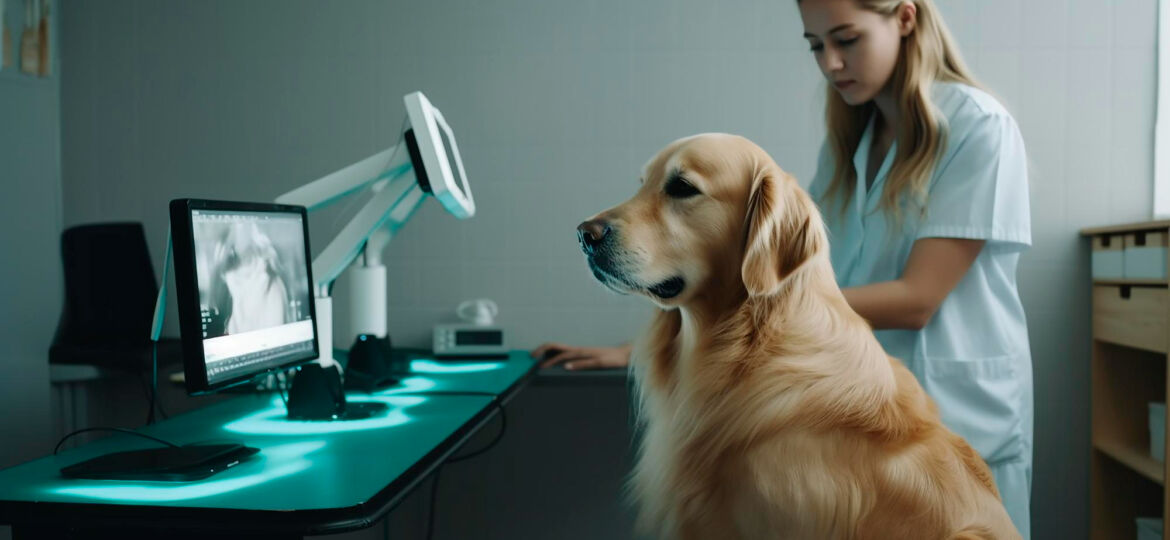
[592,233]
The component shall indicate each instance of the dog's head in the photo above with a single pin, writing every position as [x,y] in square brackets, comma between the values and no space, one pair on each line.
[714,216]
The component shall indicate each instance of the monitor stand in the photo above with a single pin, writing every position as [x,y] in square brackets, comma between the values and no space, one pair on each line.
[317,394]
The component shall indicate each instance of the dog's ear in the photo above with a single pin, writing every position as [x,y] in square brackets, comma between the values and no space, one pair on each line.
[782,230]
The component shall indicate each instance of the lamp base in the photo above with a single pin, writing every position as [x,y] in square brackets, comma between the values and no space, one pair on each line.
[372,364]
[317,394]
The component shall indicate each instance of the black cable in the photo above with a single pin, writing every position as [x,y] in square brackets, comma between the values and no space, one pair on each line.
[141,376]
[397,146]
[434,502]
[280,382]
[495,401]
[153,380]
[444,393]
[496,440]
[160,303]
[456,459]
[212,442]
[120,430]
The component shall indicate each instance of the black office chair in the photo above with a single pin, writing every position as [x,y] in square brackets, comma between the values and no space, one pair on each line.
[110,292]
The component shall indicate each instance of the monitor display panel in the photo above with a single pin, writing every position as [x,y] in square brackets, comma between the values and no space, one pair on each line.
[441,162]
[245,295]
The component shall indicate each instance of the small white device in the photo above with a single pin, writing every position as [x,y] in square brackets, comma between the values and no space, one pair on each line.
[477,336]
[464,339]
[426,162]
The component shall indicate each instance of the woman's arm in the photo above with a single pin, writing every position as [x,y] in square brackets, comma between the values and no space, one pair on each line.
[934,269]
[574,357]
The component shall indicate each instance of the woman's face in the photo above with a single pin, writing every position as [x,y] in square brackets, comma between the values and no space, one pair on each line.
[856,49]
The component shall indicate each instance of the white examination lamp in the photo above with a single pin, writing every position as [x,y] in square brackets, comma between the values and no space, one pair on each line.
[426,160]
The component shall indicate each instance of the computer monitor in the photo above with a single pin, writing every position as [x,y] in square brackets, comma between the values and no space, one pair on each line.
[243,278]
[432,145]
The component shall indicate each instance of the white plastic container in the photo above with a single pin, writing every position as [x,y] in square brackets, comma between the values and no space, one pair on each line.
[1145,255]
[1108,259]
[1158,431]
[1149,529]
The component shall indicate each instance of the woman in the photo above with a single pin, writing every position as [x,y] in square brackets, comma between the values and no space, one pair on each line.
[923,184]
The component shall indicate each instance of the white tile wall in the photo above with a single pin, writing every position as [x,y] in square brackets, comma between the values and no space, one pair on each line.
[1090,24]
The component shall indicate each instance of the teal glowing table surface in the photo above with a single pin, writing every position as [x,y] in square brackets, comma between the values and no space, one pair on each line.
[491,375]
[309,477]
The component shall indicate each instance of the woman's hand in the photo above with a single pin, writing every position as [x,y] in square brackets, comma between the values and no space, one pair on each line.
[573,358]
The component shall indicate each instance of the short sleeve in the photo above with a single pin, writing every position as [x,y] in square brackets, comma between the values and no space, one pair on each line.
[980,190]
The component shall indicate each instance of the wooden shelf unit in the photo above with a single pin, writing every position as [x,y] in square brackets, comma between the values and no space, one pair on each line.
[1131,342]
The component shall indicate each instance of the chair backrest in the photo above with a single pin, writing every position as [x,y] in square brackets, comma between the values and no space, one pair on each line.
[110,287]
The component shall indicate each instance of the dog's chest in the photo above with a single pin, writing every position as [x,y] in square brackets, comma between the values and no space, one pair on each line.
[780,484]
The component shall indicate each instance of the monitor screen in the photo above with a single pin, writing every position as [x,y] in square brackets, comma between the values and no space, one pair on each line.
[253,291]
[437,159]
[479,337]
[453,161]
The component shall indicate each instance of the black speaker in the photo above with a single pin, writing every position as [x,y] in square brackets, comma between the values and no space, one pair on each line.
[372,363]
[316,393]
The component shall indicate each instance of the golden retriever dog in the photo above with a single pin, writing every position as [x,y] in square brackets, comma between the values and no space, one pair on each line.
[768,408]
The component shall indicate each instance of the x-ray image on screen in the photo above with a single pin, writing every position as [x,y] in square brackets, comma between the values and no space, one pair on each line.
[254,290]
[251,271]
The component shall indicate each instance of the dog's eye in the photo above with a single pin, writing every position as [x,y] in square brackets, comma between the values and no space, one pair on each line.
[680,189]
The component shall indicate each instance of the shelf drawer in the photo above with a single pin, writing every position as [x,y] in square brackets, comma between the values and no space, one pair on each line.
[1131,316]
[1108,256]
[1145,255]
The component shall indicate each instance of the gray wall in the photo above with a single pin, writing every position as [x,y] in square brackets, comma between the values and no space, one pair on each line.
[30,275]
[557,105]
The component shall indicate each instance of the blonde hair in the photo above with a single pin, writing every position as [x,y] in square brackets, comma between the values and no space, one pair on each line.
[927,54]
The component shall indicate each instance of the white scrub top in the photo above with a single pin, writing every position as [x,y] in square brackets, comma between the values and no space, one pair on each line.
[972,357]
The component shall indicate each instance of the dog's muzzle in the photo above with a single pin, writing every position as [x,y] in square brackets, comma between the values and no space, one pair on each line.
[668,288]
[592,235]
[596,240]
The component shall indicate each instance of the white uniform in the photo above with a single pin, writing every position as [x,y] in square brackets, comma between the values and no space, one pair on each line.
[973,356]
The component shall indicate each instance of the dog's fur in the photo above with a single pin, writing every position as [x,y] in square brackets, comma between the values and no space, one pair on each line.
[768,408]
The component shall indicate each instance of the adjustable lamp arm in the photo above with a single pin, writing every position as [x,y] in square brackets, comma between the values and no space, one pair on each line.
[426,161]
[396,196]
